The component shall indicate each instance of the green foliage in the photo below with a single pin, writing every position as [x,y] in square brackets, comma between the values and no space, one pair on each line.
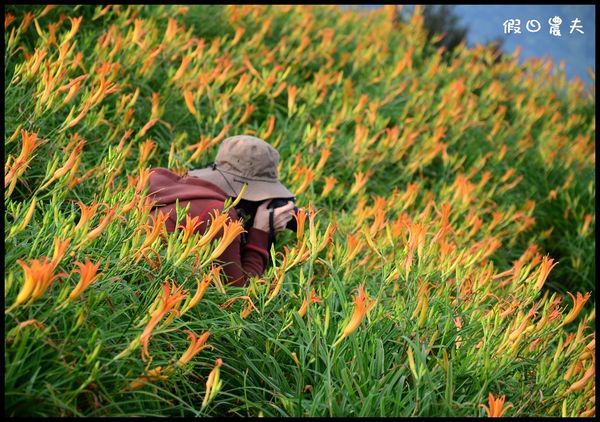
[442,189]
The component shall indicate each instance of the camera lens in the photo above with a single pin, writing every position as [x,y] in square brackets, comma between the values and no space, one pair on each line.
[280,202]
[293,224]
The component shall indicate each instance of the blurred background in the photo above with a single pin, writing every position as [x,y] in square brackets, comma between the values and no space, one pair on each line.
[483,24]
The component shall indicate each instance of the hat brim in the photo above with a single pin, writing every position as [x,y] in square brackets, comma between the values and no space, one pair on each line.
[256,190]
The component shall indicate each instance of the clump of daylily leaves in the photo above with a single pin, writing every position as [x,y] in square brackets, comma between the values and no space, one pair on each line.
[417,283]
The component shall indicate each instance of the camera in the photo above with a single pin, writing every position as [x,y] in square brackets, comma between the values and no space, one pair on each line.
[280,202]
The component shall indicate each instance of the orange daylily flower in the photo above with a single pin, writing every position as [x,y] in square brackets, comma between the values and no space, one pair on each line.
[52,32]
[202,286]
[88,272]
[72,91]
[217,222]
[101,226]
[496,408]
[362,102]
[199,148]
[8,19]
[155,374]
[511,185]
[241,83]
[239,31]
[327,236]
[143,131]
[516,334]
[325,153]
[329,184]
[311,299]
[146,148]
[27,18]
[75,22]
[300,255]
[196,345]
[295,358]
[247,113]
[360,138]
[77,61]
[247,310]
[68,164]
[171,299]
[309,176]
[73,82]
[230,232]
[37,61]
[416,240]
[362,304]
[171,30]
[249,66]
[150,59]
[189,102]
[360,179]
[105,86]
[551,314]
[464,188]
[144,206]
[292,92]
[142,179]
[124,138]
[545,267]
[586,224]
[588,350]
[182,68]
[156,110]
[60,247]
[353,247]
[577,306]
[270,127]
[191,224]
[213,384]
[408,197]
[589,374]
[39,275]
[129,206]
[300,218]
[279,277]
[157,227]
[221,135]
[87,212]
[398,226]
[279,89]
[34,322]
[70,122]
[496,217]
[30,142]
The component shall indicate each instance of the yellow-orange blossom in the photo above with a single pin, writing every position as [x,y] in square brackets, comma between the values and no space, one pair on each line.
[362,304]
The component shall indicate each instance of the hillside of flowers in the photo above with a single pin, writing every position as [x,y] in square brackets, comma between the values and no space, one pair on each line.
[444,262]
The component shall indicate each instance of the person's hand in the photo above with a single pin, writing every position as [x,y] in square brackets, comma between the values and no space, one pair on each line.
[281,216]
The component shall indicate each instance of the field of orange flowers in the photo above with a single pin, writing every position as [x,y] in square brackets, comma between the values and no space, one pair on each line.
[444,264]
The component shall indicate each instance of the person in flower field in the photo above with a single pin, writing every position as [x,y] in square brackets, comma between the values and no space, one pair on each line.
[241,160]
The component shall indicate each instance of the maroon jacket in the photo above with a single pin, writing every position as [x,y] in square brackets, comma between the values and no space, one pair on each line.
[239,261]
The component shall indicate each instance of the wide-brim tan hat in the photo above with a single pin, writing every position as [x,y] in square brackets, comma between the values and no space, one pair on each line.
[245,159]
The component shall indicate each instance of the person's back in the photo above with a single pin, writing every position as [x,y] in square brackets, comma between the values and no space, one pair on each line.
[240,160]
